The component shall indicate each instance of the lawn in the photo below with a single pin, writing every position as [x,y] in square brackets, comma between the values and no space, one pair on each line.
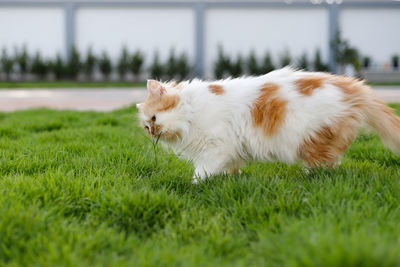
[85,189]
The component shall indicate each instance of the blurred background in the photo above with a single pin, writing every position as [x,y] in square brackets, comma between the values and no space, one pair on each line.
[126,42]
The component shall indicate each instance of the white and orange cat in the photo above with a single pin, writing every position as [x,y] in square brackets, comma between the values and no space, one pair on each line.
[285,115]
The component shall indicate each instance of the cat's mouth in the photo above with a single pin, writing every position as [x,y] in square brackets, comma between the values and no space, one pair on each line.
[152,132]
[165,135]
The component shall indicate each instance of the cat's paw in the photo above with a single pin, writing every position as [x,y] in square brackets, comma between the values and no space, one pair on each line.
[235,171]
[198,177]
[195,180]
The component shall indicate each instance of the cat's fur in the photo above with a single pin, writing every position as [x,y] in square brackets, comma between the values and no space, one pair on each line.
[285,115]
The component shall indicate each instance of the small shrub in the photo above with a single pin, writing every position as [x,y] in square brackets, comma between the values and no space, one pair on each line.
[7,64]
[340,47]
[267,65]
[252,64]
[40,68]
[395,62]
[183,67]
[156,69]
[22,60]
[222,65]
[123,63]
[344,53]
[303,62]
[105,65]
[136,64]
[236,68]
[366,63]
[318,64]
[57,68]
[171,67]
[285,59]
[74,64]
[90,64]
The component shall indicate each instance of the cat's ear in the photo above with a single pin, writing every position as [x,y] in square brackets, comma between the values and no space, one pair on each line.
[155,88]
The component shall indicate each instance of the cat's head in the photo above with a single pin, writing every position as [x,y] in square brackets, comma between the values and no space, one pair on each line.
[161,114]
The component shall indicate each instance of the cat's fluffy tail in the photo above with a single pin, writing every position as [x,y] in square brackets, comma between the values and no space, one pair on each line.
[383,120]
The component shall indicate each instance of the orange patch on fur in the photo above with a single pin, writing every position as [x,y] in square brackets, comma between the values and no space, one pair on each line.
[307,84]
[158,129]
[171,136]
[356,93]
[159,104]
[269,110]
[168,102]
[216,89]
[326,145]
[178,86]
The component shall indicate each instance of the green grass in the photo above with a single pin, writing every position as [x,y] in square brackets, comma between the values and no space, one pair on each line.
[69,84]
[384,83]
[84,189]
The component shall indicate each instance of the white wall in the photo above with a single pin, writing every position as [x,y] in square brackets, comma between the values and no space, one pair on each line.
[39,28]
[137,28]
[374,31]
[241,30]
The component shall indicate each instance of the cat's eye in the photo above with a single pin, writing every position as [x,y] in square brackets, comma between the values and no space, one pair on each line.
[153,119]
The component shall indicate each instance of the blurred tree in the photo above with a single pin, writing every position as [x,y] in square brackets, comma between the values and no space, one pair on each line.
[366,62]
[171,67]
[40,68]
[7,64]
[285,58]
[395,62]
[344,53]
[303,62]
[156,69]
[236,68]
[57,67]
[222,65]
[22,60]
[89,65]
[267,65]
[136,64]
[123,63]
[252,64]
[318,64]
[74,64]
[105,65]
[183,67]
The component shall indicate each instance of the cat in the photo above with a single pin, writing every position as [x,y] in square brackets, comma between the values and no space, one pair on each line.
[286,115]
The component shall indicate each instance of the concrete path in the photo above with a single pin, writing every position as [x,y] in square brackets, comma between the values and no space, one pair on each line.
[104,99]
[76,99]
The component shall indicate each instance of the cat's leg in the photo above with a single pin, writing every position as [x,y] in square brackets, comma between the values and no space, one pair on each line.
[210,163]
[233,168]
[327,145]
[331,163]
[235,171]
[204,170]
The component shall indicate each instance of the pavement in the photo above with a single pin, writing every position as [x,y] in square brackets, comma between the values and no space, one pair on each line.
[106,99]
[74,99]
